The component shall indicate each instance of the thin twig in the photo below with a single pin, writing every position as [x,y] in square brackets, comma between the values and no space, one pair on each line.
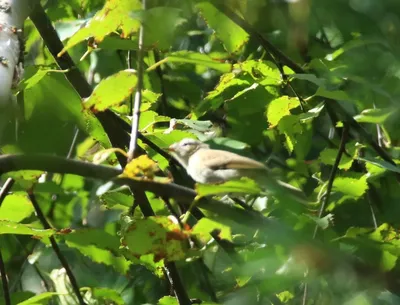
[333,174]
[5,189]
[56,248]
[370,200]
[138,93]
[304,301]
[73,143]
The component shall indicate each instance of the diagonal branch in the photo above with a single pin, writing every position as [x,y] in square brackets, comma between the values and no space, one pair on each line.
[56,248]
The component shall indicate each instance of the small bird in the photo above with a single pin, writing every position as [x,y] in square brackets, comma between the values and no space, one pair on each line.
[206,165]
[212,166]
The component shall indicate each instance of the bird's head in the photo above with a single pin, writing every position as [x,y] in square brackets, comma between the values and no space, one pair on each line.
[185,148]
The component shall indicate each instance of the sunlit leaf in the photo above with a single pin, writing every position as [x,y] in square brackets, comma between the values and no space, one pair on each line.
[328,156]
[205,226]
[279,108]
[112,91]
[381,163]
[115,15]
[10,227]
[38,299]
[232,36]
[141,167]
[199,59]
[350,186]
[16,207]
[155,235]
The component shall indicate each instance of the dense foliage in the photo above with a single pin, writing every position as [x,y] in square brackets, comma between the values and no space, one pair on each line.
[309,88]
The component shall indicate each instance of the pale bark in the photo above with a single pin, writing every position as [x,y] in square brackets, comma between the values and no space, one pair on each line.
[12,16]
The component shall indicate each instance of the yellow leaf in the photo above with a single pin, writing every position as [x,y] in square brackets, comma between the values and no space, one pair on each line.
[142,167]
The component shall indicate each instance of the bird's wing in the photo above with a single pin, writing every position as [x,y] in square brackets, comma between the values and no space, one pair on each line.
[220,159]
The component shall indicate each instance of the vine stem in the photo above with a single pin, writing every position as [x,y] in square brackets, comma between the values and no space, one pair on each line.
[332,175]
[341,151]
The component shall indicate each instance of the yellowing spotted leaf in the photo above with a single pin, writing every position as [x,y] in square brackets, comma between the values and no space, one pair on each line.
[141,167]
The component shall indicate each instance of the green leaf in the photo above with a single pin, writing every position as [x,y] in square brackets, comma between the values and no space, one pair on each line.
[232,36]
[375,116]
[99,246]
[201,126]
[114,42]
[328,156]
[165,140]
[298,135]
[229,143]
[168,300]
[161,35]
[115,16]
[114,198]
[279,108]
[38,299]
[244,185]
[205,226]
[51,102]
[10,227]
[312,113]
[15,208]
[157,235]
[311,78]
[199,59]
[354,188]
[388,261]
[264,73]
[112,91]
[381,163]
[333,94]
[102,294]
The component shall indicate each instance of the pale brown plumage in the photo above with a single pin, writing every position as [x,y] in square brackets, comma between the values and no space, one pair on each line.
[207,165]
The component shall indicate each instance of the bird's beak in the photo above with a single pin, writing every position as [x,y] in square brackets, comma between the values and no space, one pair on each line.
[172,148]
